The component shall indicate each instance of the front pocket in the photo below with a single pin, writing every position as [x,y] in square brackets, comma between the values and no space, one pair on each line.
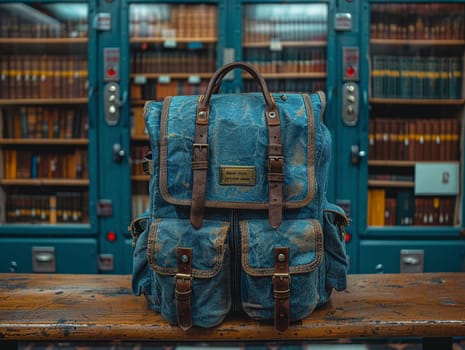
[258,240]
[210,298]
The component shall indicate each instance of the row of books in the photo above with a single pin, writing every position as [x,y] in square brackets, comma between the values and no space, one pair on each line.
[287,85]
[44,122]
[43,76]
[417,77]
[285,29]
[403,208]
[155,89]
[140,203]
[14,25]
[433,21]
[137,156]
[60,207]
[289,60]
[173,22]
[179,61]
[414,139]
[31,164]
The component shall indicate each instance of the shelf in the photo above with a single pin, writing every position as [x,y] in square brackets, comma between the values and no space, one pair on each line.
[171,75]
[408,101]
[44,182]
[388,183]
[293,75]
[183,40]
[268,44]
[414,231]
[392,163]
[143,178]
[44,101]
[44,141]
[417,42]
[401,163]
[140,138]
[43,41]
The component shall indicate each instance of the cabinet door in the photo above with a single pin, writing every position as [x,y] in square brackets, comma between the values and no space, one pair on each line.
[46,150]
[45,255]
[288,43]
[394,256]
[172,52]
[416,116]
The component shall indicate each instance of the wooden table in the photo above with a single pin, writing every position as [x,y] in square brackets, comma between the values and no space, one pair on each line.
[45,307]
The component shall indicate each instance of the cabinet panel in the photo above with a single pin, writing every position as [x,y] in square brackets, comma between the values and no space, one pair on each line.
[70,255]
[388,256]
[171,53]
[288,45]
[44,119]
[416,113]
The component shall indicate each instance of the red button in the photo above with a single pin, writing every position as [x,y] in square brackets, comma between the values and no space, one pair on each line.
[348,237]
[350,71]
[111,236]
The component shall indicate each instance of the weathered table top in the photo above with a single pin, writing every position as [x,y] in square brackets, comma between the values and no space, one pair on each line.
[102,307]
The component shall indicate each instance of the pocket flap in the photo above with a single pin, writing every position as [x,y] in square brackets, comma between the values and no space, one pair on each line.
[207,243]
[303,237]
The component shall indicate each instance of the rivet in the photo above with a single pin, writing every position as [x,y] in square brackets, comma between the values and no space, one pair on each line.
[281,257]
[272,115]
[202,114]
[184,258]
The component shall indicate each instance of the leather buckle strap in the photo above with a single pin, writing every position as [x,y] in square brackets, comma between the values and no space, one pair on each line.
[281,288]
[199,167]
[275,185]
[183,287]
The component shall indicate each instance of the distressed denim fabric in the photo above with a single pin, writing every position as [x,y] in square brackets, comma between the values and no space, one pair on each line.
[233,250]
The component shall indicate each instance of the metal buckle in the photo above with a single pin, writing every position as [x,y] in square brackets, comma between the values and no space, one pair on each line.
[200,145]
[182,276]
[276,159]
[282,276]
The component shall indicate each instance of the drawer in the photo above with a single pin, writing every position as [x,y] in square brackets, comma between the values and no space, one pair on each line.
[61,255]
[394,256]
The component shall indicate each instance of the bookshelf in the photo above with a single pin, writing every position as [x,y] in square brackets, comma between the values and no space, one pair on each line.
[288,45]
[44,121]
[416,114]
[170,54]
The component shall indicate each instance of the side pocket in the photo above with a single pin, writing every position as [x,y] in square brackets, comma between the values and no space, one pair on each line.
[304,240]
[141,275]
[209,290]
[336,261]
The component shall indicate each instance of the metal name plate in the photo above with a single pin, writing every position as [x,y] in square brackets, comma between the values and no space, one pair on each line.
[237,175]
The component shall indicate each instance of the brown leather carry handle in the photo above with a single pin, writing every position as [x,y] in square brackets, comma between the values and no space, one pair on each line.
[200,152]
[218,76]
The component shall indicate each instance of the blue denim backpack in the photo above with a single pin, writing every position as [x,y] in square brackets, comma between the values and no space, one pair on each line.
[238,218]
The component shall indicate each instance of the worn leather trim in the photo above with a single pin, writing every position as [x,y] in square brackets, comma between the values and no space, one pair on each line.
[296,269]
[196,273]
[233,204]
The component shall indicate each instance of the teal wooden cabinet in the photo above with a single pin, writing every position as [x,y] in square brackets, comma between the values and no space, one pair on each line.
[49,255]
[394,256]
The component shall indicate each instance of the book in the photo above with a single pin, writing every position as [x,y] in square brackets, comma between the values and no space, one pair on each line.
[405,208]
[376,207]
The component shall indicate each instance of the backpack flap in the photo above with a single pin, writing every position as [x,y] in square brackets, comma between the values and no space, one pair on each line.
[237,146]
